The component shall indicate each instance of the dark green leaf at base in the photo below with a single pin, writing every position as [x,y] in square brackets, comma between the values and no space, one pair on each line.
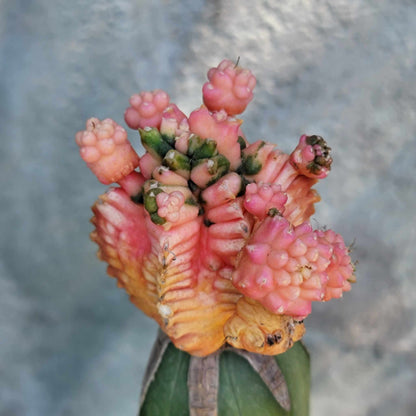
[168,393]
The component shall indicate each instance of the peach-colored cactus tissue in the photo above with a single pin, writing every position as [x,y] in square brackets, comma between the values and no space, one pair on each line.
[211,235]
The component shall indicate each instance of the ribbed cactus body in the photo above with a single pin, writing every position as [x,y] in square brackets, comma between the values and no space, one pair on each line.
[211,235]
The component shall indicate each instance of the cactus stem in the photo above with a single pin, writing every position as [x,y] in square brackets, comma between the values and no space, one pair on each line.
[203,384]
[203,380]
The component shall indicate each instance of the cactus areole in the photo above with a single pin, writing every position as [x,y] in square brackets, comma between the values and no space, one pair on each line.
[208,233]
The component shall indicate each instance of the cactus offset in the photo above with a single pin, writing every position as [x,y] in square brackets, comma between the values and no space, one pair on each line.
[211,237]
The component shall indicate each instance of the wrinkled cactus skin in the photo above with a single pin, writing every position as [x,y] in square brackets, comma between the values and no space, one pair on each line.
[210,234]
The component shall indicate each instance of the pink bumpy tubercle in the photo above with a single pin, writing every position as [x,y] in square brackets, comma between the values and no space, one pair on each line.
[221,128]
[312,157]
[229,88]
[172,112]
[169,205]
[262,199]
[146,109]
[106,150]
[340,270]
[285,268]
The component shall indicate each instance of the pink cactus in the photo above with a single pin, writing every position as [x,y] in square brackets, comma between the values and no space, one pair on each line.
[169,205]
[263,199]
[223,129]
[146,109]
[173,114]
[132,183]
[211,238]
[106,150]
[148,163]
[287,268]
[312,157]
[340,271]
[230,88]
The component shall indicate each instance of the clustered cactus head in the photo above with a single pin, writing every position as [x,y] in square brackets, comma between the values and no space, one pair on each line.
[208,233]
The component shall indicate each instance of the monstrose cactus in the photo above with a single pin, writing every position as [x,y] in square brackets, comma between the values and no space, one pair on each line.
[208,233]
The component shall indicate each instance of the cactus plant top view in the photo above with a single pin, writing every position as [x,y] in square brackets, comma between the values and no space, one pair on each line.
[207,232]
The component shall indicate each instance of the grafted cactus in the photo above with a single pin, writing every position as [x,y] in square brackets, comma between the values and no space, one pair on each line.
[211,236]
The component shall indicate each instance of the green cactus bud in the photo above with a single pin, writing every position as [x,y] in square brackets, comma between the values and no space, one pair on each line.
[207,149]
[153,142]
[191,201]
[151,205]
[205,172]
[220,168]
[156,219]
[176,161]
[194,143]
[250,164]
[169,139]
[149,198]
[242,143]
[221,165]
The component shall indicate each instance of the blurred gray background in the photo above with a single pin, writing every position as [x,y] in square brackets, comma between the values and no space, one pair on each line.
[70,341]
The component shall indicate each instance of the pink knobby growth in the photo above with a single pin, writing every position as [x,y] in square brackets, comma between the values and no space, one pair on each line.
[286,268]
[262,199]
[106,150]
[175,124]
[312,157]
[172,116]
[146,109]
[221,128]
[230,88]
[340,270]
[169,205]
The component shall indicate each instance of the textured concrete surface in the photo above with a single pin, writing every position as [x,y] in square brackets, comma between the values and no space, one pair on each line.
[70,342]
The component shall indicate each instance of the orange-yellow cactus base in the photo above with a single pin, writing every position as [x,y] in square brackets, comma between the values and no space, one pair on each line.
[199,310]
[258,330]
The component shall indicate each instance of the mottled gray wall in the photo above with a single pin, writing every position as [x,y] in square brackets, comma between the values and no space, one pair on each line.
[70,342]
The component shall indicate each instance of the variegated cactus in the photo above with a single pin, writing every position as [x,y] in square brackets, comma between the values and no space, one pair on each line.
[209,234]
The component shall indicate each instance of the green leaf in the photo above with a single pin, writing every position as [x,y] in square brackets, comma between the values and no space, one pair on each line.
[242,391]
[168,393]
[295,366]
